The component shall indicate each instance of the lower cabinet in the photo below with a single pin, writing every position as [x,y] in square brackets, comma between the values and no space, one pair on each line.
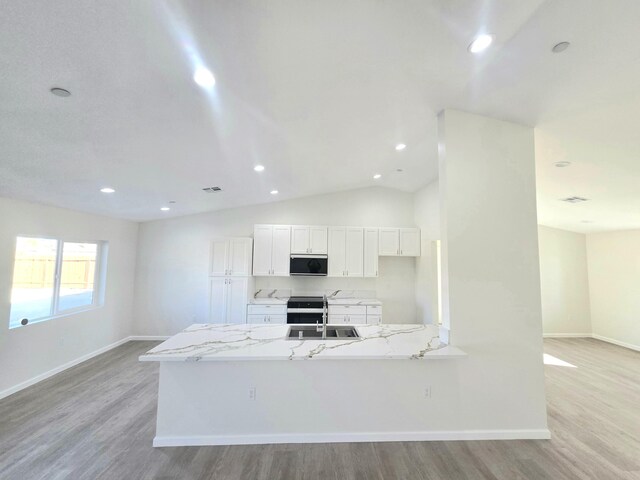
[347,319]
[261,314]
[354,314]
[228,299]
[257,319]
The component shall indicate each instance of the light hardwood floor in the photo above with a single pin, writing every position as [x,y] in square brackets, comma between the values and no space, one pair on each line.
[97,420]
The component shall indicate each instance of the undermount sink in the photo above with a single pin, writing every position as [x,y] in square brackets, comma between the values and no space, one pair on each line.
[309,332]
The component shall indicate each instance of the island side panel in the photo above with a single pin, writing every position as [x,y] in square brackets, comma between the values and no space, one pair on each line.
[208,403]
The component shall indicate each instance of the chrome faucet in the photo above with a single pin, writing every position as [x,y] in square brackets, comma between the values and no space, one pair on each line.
[323,328]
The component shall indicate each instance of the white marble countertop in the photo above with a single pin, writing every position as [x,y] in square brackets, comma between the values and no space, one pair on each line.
[209,342]
[268,301]
[354,301]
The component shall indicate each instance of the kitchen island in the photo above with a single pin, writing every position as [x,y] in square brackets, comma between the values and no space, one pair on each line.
[244,384]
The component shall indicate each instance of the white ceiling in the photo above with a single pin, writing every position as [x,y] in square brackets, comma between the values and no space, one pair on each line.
[317,92]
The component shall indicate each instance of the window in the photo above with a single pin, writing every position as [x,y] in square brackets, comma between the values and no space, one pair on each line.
[53,277]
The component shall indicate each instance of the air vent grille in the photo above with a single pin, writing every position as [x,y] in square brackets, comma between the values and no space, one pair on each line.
[211,189]
[574,199]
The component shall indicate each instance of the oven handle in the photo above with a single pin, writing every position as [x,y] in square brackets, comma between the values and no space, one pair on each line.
[304,310]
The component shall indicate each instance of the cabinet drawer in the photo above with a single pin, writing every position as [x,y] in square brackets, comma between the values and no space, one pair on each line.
[347,310]
[264,319]
[374,309]
[267,310]
[374,319]
[336,319]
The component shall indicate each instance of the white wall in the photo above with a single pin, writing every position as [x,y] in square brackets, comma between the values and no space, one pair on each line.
[173,256]
[30,351]
[427,218]
[614,286]
[490,251]
[564,282]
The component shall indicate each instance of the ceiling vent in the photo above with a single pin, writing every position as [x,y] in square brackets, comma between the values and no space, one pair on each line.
[574,199]
[211,189]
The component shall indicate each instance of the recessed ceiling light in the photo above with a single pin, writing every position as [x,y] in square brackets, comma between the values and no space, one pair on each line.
[259,168]
[562,164]
[274,192]
[574,199]
[480,43]
[107,190]
[400,146]
[60,92]
[204,77]
[165,209]
[377,176]
[560,47]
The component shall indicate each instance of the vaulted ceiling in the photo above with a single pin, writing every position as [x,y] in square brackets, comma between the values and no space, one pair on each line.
[319,93]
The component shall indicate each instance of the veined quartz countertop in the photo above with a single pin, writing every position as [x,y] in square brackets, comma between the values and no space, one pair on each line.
[213,342]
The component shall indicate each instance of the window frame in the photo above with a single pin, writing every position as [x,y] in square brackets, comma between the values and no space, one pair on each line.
[99,278]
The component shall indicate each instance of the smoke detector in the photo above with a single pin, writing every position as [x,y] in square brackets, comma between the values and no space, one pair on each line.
[211,189]
[574,199]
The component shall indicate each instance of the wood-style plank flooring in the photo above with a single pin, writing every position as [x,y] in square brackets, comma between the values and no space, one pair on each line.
[97,421]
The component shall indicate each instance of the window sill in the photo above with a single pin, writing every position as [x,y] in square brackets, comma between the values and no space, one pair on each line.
[66,313]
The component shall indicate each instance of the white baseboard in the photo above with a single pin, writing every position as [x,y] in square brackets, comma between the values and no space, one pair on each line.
[73,363]
[145,338]
[567,335]
[61,368]
[616,342]
[203,440]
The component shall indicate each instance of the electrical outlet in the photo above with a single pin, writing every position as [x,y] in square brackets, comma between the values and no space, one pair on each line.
[252,393]
[427,392]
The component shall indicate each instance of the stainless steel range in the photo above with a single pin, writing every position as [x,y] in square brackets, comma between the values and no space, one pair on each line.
[305,310]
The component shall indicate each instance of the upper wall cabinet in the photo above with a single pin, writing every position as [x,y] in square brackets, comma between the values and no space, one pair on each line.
[271,250]
[230,257]
[371,252]
[308,240]
[346,252]
[399,242]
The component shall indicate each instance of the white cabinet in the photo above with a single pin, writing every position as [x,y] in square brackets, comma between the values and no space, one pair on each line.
[228,299]
[265,319]
[410,242]
[370,252]
[355,314]
[347,319]
[271,250]
[230,256]
[308,240]
[399,242]
[346,252]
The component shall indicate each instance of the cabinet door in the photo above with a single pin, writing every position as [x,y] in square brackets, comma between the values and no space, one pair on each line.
[239,257]
[218,300]
[219,257]
[262,245]
[354,252]
[374,319]
[318,240]
[337,319]
[410,242]
[280,319]
[256,319]
[337,252]
[370,252]
[281,252]
[236,300]
[299,239]
[389,241]
[357,319]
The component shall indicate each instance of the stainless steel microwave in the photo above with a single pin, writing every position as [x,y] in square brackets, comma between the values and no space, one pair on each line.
[308,265]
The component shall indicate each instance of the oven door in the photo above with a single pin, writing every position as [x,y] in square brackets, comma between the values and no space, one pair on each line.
[308,265]
[304,315]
